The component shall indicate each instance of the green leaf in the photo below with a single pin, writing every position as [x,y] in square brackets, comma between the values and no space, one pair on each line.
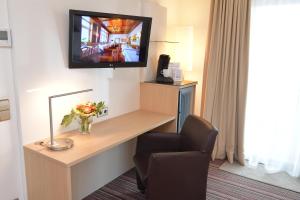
[67,120]
[100,106]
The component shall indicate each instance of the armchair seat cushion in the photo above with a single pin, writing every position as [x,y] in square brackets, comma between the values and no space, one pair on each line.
[141,163]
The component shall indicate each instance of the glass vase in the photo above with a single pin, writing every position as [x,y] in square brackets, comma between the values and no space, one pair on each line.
[85,125]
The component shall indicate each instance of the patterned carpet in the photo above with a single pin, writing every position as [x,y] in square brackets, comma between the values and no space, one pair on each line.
[221,185]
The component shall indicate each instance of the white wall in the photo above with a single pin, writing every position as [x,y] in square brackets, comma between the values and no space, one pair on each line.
[40,35]
[40,32]
[4,53]
[10,181]
[151,8]
[193,13]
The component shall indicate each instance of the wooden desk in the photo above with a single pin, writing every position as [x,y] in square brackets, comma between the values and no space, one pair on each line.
[48,173]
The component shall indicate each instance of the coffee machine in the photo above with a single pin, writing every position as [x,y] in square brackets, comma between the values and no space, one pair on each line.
[163,63]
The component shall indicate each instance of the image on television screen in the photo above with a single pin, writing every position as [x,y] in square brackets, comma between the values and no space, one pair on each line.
[110,39]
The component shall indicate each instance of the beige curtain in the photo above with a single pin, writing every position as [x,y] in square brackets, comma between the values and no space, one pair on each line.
[225,75]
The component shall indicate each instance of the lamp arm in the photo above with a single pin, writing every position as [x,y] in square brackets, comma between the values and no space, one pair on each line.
[51,121]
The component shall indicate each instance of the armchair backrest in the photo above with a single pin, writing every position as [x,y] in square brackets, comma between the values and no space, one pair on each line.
[198,135]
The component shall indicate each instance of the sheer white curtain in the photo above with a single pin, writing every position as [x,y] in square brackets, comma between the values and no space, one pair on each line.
[272,128]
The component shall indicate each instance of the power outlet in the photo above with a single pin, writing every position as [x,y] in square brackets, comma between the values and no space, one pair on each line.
[5,37]
[104,112]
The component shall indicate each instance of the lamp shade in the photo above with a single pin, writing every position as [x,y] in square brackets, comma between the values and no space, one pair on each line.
[183,51]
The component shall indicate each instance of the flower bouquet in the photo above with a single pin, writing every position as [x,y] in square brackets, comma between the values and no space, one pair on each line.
[84,113]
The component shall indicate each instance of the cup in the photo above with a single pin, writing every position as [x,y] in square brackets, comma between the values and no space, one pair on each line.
[167,72]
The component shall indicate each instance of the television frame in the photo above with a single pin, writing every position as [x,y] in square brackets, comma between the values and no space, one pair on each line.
[144,45]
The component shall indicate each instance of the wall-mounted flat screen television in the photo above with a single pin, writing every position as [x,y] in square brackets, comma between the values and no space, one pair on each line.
[102,40]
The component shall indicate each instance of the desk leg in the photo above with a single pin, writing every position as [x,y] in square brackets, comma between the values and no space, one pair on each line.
[46,179]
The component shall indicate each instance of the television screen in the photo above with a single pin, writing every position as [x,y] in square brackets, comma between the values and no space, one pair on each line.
[108,40]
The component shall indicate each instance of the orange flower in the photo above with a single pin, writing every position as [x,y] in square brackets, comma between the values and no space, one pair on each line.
[87,109]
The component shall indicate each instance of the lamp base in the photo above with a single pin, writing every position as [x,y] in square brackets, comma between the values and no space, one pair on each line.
[60,144]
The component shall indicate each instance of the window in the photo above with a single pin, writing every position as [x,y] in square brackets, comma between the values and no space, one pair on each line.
[103,35]
[86,27]
[272,128]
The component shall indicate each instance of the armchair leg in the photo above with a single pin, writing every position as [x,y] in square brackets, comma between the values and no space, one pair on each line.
[140,185]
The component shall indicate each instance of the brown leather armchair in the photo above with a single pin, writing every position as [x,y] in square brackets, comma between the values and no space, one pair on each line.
[174,167]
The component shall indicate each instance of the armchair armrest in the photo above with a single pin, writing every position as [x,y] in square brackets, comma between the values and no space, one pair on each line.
[157,142]
[177,176]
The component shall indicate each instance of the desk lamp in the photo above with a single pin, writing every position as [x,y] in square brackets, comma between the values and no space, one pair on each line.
[60,144]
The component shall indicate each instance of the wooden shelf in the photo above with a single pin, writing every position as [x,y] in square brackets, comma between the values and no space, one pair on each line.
[104,135]
[180,84]
[164,41]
